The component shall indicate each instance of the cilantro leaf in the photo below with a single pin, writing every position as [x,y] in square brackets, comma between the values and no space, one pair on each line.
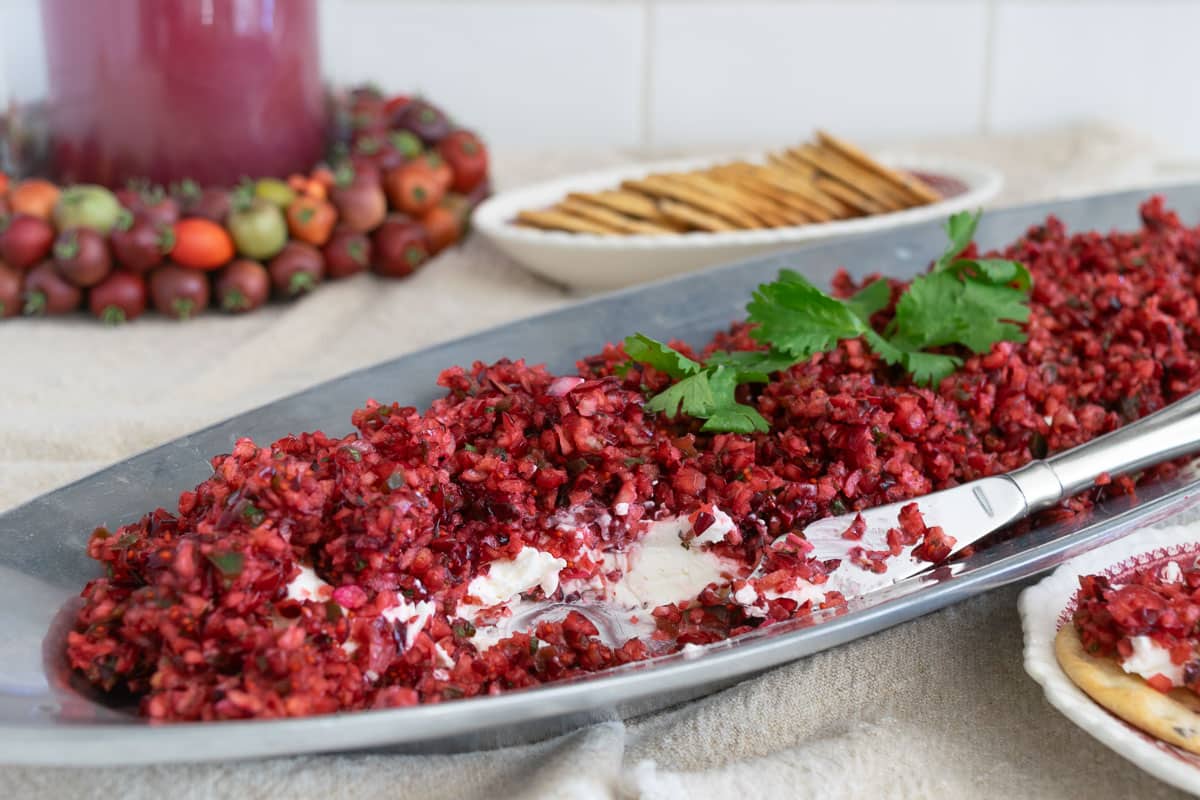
[964,304]
[668,360]
[709,395]
[972,303]
[692,396]
[997,272]
[889,352]
[707,392]
[960,229]
[738,418]
[969,302]
[752,366]
[928,369]
[726,413]
[870,299]
[799,319]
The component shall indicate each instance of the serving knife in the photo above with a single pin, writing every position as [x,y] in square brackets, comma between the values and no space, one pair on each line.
[973,510]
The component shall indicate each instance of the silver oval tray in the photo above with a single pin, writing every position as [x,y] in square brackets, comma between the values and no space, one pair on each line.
[43,560]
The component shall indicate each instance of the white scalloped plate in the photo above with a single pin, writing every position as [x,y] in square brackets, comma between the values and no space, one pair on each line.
[593,262]
[1048,606]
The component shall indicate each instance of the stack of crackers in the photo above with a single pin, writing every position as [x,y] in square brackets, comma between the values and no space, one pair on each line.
[823,180]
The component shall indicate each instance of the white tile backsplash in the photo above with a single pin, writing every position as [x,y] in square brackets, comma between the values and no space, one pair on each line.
[527,74]
[22,53]
[731,73]
[1133,62]
[536,74]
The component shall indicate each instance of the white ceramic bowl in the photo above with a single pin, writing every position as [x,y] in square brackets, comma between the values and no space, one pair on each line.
[593,262]
[1044,609]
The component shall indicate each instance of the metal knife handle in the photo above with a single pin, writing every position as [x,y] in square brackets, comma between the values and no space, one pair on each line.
[1168,433]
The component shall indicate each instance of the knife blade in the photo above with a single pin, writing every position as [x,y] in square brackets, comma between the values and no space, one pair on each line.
[973,510]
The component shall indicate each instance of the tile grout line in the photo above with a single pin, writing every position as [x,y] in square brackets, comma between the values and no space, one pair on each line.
[647,93]
[989,68]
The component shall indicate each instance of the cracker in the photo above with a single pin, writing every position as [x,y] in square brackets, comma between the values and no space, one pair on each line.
[849,195]
[663,187]
[631,204]
[1173,717]
[770,203]
[790,214]
[914,186]
[789,163]
[779,215]
[819,181]
[551,219]
[606,216]
[693,217]
[837,208]
[756,207]
[877,187]
[807,189]
[769,215]
[857,178]
[797,204]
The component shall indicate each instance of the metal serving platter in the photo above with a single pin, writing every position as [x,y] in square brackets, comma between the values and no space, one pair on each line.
[43,561]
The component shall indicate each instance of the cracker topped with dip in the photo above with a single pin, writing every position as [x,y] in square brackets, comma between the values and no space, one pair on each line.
[1134,648]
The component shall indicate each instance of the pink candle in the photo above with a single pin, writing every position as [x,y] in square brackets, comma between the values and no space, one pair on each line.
[211,90]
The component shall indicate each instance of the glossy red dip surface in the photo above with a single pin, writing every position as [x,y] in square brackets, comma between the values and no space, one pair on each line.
[194,620]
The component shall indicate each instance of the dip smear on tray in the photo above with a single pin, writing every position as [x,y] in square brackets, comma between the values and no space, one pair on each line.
[384,568]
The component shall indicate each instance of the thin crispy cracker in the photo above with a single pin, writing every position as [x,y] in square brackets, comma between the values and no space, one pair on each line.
[631,204]
[769,216]
[606,216]
[759,209]
[806,188]
[849,195]
[1173,717]
[878,187]
[807,209]
[664,187]
[863,182]
[551,219]
[814,192]
[914,186]
[823,180]
[766,206]
[789,163]
[789,214]
[694,217]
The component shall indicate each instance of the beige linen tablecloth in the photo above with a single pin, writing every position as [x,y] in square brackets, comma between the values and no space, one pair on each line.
[940,707]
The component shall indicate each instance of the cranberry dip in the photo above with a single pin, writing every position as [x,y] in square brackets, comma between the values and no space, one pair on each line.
[386,568]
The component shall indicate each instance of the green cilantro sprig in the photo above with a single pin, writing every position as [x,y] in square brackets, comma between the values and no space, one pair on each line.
[969,302]
[701,391]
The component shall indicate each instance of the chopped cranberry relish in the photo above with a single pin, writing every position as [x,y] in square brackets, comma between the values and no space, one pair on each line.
[1160,604]
[319,574]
